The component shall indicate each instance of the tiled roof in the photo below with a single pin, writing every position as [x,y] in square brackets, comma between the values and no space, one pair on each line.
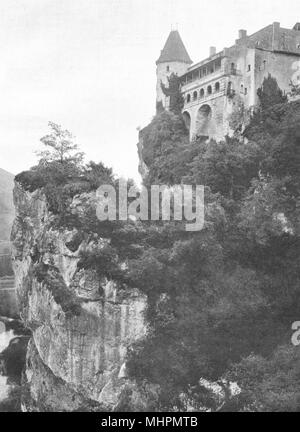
[174,50]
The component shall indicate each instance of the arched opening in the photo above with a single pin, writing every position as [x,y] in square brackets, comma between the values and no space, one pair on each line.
[187,119]
[195,95]
[203,120]
[217,87]
[202,93]
[188,98]
[230,90]
[209,90]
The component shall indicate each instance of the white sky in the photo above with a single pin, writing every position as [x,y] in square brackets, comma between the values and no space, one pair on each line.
[89,65]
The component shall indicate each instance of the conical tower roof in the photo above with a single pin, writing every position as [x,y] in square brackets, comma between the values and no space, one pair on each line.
[174,50]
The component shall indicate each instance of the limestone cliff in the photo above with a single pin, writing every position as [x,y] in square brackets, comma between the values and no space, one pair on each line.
[82,324]
[6,206]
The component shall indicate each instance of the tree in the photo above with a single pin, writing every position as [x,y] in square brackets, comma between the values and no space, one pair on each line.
[227,167]
[165,142]
[60,147]
[173,91]
[270,94]
[270,384]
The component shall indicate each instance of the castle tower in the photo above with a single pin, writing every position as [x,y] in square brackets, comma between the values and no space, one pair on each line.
[173,58]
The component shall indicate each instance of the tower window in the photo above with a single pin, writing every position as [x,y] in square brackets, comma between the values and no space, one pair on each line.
[246,91]
[249,68]
[168,68]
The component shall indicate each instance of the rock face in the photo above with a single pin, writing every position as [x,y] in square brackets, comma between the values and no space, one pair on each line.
[6,205]
[143,169]
[81,323]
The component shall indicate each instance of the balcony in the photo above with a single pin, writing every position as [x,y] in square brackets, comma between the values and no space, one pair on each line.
[196,81]
[206,79]
[203,97]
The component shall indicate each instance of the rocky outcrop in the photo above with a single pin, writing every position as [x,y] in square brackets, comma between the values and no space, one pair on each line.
[82,324]
[6,206]
[143,169]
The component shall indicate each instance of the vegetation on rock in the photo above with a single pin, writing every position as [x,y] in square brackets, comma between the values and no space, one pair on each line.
[225,297]
[221,301]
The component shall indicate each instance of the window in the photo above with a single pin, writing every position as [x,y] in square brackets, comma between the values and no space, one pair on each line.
[242,88]
[246,91]
[218,64]
[249,68]
[168,68]
[202,93]
[195,95]
[264,64]
[209,90]
[217,87]
[188,98]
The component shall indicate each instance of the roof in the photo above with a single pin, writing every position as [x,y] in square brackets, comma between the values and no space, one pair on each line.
[174,50]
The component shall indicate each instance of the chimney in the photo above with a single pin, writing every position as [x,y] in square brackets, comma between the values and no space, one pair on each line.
[212,51]
[242,34]
[276,36]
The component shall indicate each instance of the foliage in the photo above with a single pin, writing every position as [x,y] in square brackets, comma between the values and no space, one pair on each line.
[165,145]
[60,173]
[59,147]
[173,91]
[222,300]
[295,89]
[51,278]
[269,384]
[227,167]
[270,93]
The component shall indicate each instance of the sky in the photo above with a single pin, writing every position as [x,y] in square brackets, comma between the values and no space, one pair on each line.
[89,65]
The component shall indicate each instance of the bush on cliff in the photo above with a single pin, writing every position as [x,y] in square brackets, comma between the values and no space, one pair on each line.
[51,278]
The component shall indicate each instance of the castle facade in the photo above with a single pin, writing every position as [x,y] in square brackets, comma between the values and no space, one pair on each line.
[219,90]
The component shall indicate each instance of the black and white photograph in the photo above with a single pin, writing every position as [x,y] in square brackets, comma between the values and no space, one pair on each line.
[149,210]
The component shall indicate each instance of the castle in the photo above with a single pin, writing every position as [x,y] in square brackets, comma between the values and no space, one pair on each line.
[226,83]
